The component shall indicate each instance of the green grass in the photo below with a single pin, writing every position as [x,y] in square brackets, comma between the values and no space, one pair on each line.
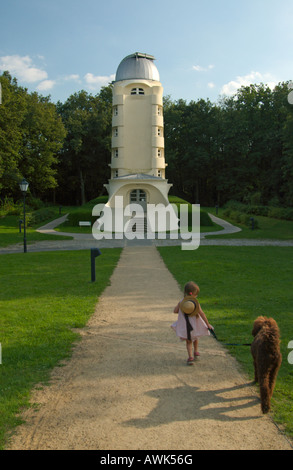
[9,232]
[237,284]
[44,296]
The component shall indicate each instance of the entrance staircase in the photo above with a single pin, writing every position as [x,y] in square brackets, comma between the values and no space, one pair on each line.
[140,225]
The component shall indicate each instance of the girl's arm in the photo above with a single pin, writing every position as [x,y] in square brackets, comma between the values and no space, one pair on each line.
[202,314]
[176,309]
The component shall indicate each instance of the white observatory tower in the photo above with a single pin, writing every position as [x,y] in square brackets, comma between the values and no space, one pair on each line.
[138,158]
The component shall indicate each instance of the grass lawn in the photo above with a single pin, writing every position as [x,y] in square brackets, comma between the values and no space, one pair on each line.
[43,297]
[269,228]
[9,232]
[237,284]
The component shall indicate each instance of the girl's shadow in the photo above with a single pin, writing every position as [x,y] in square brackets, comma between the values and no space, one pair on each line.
[188,403]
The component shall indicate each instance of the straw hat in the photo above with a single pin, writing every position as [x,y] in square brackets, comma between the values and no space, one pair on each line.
[189,305]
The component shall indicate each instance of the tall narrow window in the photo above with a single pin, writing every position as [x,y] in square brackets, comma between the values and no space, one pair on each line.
[115,153]
[115,110]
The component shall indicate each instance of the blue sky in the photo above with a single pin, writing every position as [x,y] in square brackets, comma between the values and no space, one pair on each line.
[203,49]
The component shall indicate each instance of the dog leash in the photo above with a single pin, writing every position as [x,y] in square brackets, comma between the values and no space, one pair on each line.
[227,344]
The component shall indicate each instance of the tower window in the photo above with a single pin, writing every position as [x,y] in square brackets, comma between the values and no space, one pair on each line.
[137,91]
[115,131]
[160,111]
[159,152]
[115,110]
[138,195]
[116,153]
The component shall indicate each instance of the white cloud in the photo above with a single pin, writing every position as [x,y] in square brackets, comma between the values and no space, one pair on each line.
[95,82]
[22,68]
[211,85]
[46,85]
[246,80]
[73,77]
[199,68]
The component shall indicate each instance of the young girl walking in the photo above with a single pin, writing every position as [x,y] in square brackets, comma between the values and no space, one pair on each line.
[192,322]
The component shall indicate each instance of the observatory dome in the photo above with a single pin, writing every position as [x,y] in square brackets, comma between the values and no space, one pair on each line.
[137,66]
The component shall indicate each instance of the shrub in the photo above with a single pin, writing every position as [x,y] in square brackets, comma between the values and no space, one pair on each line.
[39,216]
[280,213]
[240,218]
[283,213]
[8,207]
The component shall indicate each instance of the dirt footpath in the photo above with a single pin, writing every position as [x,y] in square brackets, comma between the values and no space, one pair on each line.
[127,385]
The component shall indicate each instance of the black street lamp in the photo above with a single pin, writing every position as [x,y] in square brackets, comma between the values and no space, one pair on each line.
[23,187]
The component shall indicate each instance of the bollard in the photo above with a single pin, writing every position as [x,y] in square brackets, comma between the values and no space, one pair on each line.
[20,222]
[94,253]
[252,223]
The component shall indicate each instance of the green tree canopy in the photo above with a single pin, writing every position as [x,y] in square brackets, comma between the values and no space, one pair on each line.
[86,152]
[31,135]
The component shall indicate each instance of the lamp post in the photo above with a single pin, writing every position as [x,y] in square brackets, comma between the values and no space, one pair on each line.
[23,187]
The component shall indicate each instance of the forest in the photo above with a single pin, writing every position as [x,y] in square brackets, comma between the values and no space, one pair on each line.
[240,148]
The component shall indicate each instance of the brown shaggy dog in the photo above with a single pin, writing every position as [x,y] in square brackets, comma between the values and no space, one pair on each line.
[267,357]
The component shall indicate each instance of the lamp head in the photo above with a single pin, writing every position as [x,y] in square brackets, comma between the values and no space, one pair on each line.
[23,186]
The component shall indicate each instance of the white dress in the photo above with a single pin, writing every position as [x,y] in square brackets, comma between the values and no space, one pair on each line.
[197,323]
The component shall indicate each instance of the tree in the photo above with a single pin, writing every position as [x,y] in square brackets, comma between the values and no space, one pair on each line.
[12,111]
[241,148]
[31,134]
[86,153]
[43,134]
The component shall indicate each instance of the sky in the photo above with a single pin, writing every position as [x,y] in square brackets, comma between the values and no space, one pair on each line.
[203,48]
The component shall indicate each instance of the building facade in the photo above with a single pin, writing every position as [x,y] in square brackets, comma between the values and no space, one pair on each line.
[138,151]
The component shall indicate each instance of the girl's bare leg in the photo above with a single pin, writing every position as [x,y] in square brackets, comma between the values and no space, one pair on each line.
[189,348]
[195,346]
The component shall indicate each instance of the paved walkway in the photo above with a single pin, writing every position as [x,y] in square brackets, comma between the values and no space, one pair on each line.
[127,385]
[87,241]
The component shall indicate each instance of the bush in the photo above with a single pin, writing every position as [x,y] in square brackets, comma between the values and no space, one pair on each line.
[280,213]
[240,218]
[35,203]
[39,216]
[283,213]
[8,207]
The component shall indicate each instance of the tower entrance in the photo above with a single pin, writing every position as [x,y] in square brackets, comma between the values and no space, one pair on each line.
[138,196]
